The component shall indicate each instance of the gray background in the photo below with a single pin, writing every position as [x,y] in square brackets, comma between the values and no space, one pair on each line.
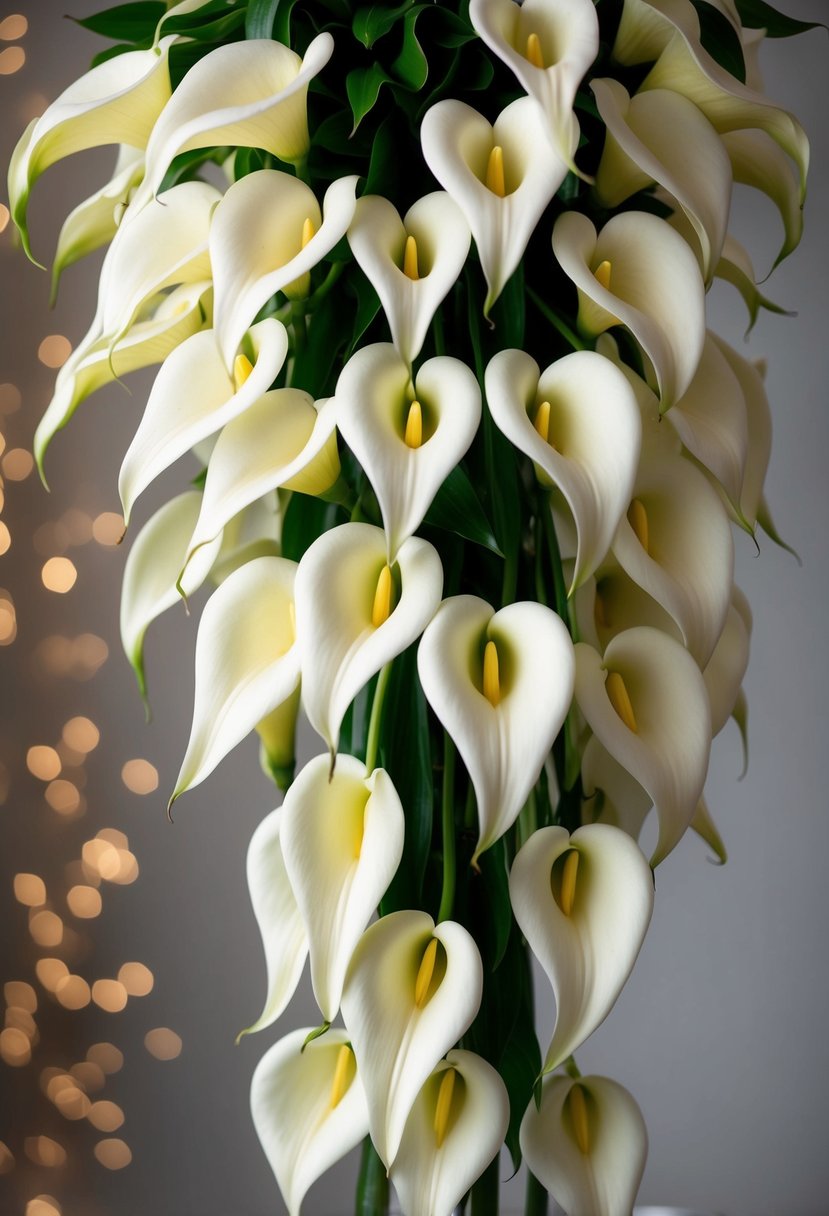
[720,1033]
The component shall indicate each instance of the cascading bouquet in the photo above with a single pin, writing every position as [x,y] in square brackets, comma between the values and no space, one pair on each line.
[471,463]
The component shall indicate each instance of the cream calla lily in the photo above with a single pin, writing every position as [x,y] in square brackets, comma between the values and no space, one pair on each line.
[308,1109]
[355,614]
[407,435]
[611,795]
[455,1128]
[758,161]
[501,683]
[707,830]
[644,30]
[549,47]
[611,602]
[193,397]
[584,903]
[758,415]
[661,137]
[646,701]
[116,102]
[735,267]
[412,989]
[587,1144]
[262,86]
[502,177]
[342,839]
[246,662]
[254,532]
[256,243]
[152,569]
[437,238]
[277,913]
[727,666]
[579,423]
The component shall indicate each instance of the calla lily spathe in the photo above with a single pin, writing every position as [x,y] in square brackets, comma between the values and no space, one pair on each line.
[758,414]
[258,245]
[502,177]
[193,397]
[758,161]
[644,30]
[611,795]
[354,614]
[247,662]
[646,701]
[116,102]
[579,423]
[406,458]
[501,684]
[342,840]
[587,1144]
[639,273]
[455,1128]
[728,664]
[308,1109]
[412,989]
[411,263]
[584,903]
[661,137]
[548,45]
[277,913]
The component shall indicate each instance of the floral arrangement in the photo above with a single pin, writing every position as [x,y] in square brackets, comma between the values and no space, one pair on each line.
[426,282]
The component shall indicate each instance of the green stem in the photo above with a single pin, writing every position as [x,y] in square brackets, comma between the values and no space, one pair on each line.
[373,743]
[372,1184]
[563,328]
[535,1203]
[447,896]
[485,1192]
[325,286]
[572,1068]
[555,561]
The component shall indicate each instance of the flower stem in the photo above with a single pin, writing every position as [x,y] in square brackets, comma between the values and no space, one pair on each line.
[485,1192]
[375,721]
[535,1203]
[447,896]
[563,328]
[372,1184]
[554,553]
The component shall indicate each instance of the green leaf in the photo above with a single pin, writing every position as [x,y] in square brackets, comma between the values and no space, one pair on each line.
[489,896]
[411,66]
[451,31]
[314,361]
[383,174]
[183,166]
[457,509]
[363,88]
[260,18]
[216,30]
[127,22]
[306,518]
[368,306]
[374,20]
[112,52]
[720,39]
[756,14]
[520,1065]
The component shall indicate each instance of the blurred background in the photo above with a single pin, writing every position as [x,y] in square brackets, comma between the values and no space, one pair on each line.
[130,954]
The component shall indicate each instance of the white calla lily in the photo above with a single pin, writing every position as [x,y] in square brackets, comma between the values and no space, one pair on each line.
[412,989]
[758,161]
[584,903]
[268,232]
[644,30]
[758,414]
[611,795]
[501,683]
[661,137]
[646,701]
[611,602]
[407,434]
[308,1109]
[579,423]
[277,913]
[254,532]
[247,662]
[193,397]
[152,569]
[735,267]
[342,839]
[116,102]
[355,613]
[724,672]
[411,263]
[549,47]
[639,273]
[502,177]
[707,830]
[587,1144]
[455,1128]
[262,88]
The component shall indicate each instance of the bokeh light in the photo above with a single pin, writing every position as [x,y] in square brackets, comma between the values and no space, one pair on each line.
[5,538]
[50,971]
[163,1043]
[72,991]
[113,1154]
[11,60]
[109,995]
[21,995]
[54,350]
[17,464]
[46,929]
[63,797]
[136,978]
[15,1047]
[106,1116]
[29,890]
[84,902]
[108,528]
[43,1150]
[10,398]
[13,27]
[139,776]
[43,762]
[59,574]
[6,1159]
[107,1057]
[81,734]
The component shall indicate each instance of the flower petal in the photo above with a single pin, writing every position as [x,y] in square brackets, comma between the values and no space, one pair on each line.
[724,671]
[735,267]
[611,795]
[758,161]
[759,431]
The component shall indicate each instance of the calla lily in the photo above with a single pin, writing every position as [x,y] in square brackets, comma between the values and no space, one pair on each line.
[727,666]
[549,47]
[587,1144]
[258,243]
[584,903]
[281,926]
[644,30]
[501,683]
[758,415]
[707,830]
[661,137]
[246,662]
[193,397]
[254,532]
[758,161]
[343,840]
[455,1128]
[95,221]
[611,795]
[407,435]
[735,267]
[411,263]
[116,102]
[355,613]
[412,989]
[641,274]
[646,701]
[152,572]
[502,177]
[308,1109]
[262,88]
[579,423]
[280,440]
[277,742]
[611,602]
